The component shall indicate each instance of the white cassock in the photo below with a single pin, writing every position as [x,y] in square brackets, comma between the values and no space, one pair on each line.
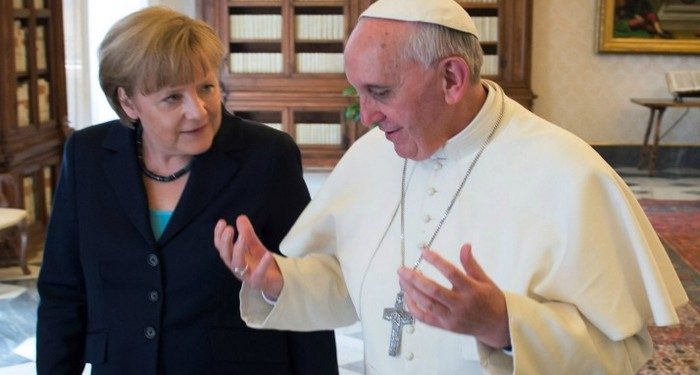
[549,221]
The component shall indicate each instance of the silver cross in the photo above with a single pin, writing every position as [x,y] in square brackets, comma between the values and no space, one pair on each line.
[398,317]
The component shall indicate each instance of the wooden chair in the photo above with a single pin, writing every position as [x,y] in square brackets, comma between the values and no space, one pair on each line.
[13,221]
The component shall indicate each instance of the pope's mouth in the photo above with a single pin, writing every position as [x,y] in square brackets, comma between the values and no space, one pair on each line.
[392,134]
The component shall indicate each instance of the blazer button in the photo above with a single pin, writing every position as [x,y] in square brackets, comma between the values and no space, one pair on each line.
[153,296]
[153,260]
[149,332]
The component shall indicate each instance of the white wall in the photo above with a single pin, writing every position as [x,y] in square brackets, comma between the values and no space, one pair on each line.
[184,6]
[589,93]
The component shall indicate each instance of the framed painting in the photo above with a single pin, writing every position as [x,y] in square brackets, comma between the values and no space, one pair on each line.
[649,26]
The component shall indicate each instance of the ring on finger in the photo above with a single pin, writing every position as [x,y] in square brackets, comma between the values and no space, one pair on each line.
[240,271]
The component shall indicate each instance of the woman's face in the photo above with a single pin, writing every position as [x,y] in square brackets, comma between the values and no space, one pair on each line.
[178,120]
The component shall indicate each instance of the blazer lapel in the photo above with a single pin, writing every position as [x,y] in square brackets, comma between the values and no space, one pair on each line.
[211,173]
[122,171]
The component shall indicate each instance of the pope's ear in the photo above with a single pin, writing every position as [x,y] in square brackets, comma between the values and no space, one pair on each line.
[455,78]
[126,103]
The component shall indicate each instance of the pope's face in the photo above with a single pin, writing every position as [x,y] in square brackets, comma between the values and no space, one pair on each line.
[401,96]
[178,121]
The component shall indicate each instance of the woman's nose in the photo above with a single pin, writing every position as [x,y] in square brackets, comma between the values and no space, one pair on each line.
[195,107]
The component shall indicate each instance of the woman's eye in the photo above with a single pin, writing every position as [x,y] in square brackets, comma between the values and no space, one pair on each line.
[172,98]
[209,88]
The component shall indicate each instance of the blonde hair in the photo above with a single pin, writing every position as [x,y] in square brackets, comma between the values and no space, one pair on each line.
[154,48]
[428,43]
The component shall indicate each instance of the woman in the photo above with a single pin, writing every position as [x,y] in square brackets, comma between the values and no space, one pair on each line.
[131,281]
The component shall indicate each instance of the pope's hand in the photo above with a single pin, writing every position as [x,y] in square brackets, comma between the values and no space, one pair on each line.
[474,305]
[248,258]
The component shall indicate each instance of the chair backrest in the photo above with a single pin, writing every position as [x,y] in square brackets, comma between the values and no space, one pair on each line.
[8,190]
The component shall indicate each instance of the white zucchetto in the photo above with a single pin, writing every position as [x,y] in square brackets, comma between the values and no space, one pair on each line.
[438,12]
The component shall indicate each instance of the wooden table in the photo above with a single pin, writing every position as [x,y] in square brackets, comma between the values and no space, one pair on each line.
[650,152]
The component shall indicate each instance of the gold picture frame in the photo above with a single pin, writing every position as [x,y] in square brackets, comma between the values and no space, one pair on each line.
[648,26]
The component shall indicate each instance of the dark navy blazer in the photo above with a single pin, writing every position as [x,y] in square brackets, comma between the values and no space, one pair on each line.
[113,296]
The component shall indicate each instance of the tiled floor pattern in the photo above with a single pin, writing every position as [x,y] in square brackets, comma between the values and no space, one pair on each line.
[18,298]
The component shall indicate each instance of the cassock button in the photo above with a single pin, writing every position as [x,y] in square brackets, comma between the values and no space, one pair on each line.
[408,356]
[427,218]
[410,329]
[432,191]
[437,166]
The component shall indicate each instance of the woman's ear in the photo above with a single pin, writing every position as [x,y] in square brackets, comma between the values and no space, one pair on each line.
[127,104]
[455,78]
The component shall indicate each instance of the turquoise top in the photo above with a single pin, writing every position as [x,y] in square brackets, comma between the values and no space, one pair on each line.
[159,220]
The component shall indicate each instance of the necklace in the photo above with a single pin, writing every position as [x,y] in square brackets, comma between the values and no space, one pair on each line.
[398,315]
[150,174]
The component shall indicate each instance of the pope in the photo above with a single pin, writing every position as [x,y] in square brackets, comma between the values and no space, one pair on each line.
[518,249]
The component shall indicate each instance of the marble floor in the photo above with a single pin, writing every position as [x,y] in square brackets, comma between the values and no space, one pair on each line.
[18,295]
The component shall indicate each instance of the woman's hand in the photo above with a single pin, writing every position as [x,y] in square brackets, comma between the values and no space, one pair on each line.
[247,258]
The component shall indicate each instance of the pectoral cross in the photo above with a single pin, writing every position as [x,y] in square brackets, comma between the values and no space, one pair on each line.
[398,317]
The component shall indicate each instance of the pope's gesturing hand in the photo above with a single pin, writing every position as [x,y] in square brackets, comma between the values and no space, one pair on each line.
[474,304]
[247,257]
